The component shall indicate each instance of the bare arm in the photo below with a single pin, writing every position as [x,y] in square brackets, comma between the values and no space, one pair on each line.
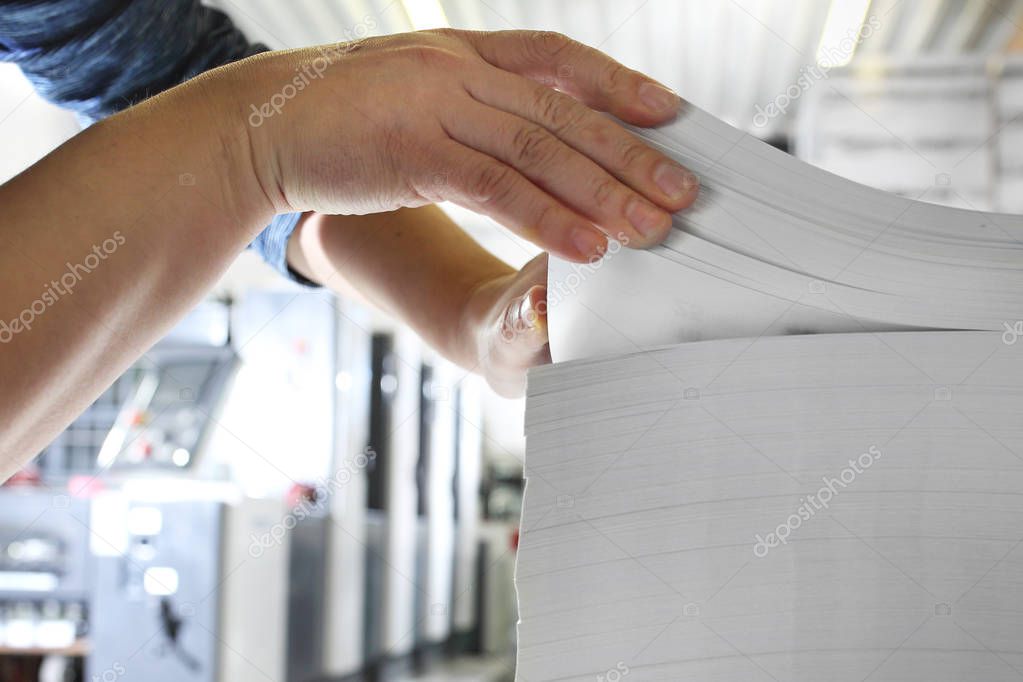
[105,242]
[418,265]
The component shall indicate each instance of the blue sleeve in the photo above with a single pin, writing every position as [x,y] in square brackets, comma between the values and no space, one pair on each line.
[272,245]
[96,57]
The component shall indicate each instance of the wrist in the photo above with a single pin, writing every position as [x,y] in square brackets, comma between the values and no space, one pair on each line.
[244,163]
[254,106]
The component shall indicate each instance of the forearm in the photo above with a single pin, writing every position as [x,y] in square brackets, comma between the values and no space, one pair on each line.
[349,143]
[106,242]
[414,263]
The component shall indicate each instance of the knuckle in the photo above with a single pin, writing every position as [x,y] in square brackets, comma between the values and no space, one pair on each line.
[353,46]
[545,103]
[444,32]
[604,192]
[543,222]
[595,134]
[490,184]
[613,77]
[555,110]
[433,186]
[631,153]
[548,44]
[432,56]
[532,145]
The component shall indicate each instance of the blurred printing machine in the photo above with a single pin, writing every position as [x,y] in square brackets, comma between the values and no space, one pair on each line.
[142,546]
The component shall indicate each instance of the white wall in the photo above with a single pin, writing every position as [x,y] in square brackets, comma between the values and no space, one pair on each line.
[30,127]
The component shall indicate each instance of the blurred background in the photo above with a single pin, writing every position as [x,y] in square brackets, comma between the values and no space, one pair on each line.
[292,487]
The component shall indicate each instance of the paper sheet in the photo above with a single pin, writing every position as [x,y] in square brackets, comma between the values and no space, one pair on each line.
[775,246]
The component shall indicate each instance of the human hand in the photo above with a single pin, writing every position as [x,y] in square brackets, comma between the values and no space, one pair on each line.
[417,118]
[506,318]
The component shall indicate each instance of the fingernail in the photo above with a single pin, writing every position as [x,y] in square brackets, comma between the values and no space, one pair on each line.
[675,181]
[646,218]
[529,311]
[589,243]
[658,99]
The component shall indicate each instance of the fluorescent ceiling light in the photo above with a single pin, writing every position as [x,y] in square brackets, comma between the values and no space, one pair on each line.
[425,14]
[842,32]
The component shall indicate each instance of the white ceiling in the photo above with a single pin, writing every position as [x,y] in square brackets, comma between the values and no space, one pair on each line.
[724,56]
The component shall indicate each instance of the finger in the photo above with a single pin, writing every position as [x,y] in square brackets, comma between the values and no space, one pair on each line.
[621,153]
[528,312]
[583,72]
[563,172]
[519,339]
[524,326]
[483,184]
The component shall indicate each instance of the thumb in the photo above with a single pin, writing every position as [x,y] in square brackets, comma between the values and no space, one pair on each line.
[524,323]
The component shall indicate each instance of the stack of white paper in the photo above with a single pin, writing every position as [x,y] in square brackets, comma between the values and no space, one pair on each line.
[772,506]
[776,246]
[831,507]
